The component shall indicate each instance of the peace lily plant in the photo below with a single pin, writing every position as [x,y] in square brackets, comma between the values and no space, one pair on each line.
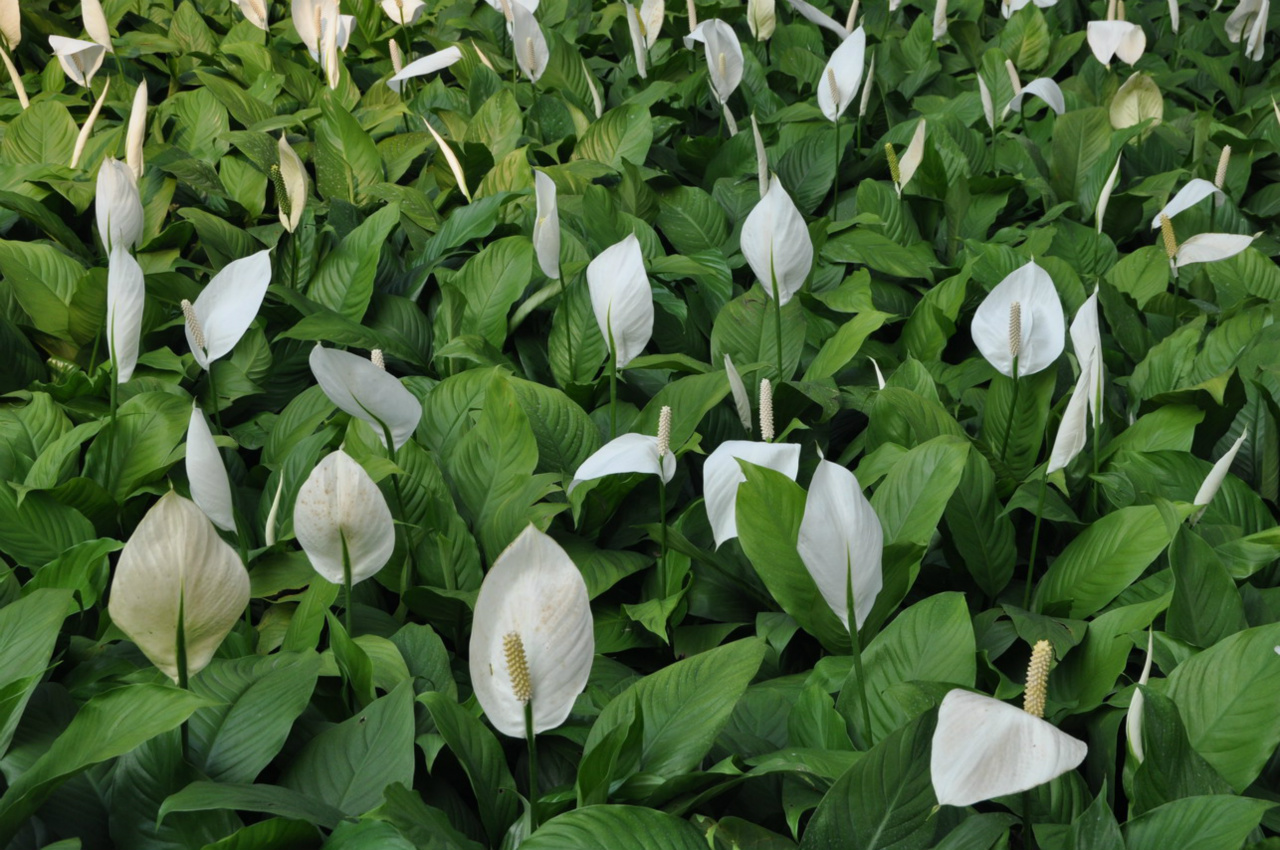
[777,246]
[623,305]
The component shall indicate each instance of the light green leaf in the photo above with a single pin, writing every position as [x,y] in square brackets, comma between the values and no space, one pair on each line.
[344,281]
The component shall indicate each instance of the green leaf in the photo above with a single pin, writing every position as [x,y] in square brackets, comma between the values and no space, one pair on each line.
[840,349]
[770,507]
[272,799]
[1095,829]
[270,834]
[1026,431]
[44,134]
[615,827]
[692,219]
[683,706]
[1089,673]
[109,725]
[1104,559]
[881,254]
[497,124]
[148,427]
[983,535]
[566,436]
[489,284]
[911,499]
[347,766]
[1172,769]
[346,159]
[344,281]
[745,329]
[1226,695]
[258,701]
[1206,606]
[43,280]
[1080,139]
[1196,823]
[28,629]
[480,754]
[884,800]
[40,529]
[620,134]
[808,167]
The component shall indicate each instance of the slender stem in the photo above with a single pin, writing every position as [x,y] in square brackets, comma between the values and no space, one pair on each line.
[532,740]
[293,243]
[777,319]
[1035,542]
[111,429]
[183,681]
[411,565]
[1028,836]
[564,307]
[1097,452]
[613,385]
[213,393]
[662,523]
[835,180]
[346,582]
[1013,411]
[856,645]
[93,355]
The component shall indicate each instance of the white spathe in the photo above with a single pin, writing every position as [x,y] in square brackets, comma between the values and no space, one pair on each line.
[80,60]
[137,132]
[762,158]
[1133,718]
[1188,196]
[228,305]
[403,12]
[1104,197]
[126,295]
[365,391]
[175,561]
[721,476]
[1043,88]
[340,504]
[95,23]
[294,177]
[1108,39]
[1211,247]
[1217,474]
[842,76]
[639,48]
[762,18]
[984,748]
[255,12]
[822,19]
[912,157]
[622,299]
[210,486]
[1042,325]
[724,55]
[776,243]
[624,454]
[529,42]
[1073,432]
[534,591]
[546,225]
[117,206]
[741,401]
[841,541]
[429,64]
[10,23]
[651,15]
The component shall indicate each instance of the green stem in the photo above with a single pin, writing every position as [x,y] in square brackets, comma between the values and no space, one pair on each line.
[1035,542]
[564,306]
[111,429]
[532,740]
[856,645]
[183,681]
[835,180]
[613,386]
[1013,411]
[346,582]
[213,393]
[93,355]
[777,319]
[411,565]
[1028,835]
[662,533]
[243,545]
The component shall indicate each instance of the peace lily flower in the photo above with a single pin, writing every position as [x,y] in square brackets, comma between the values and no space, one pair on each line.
[452,159]
[343,523]
[902,171]
[546,225]
[1073,432]
[651,14]
[1188,196]
[638,46]
[226,307]
[842,76]
[1008,7]
[532,639]
[776,244]
[1116,38]
[95,23]
[1201,248]
[988,108]
[1250,15]
[178,588]
[14,76]
[741,403]
[724,56]
[83,136]
[762,18]
[403,12]
[984,748]
[939,19]
[621,299]
[762,159]
[1021,322]
[135,136]
[255,12]
[291,185]
[721,474]
[10,23]
[358,387]
[632,453]
[117,205]
[210,486]
[822,19]
[1220,175]
[867,87]
[532,53]
[841,543]
[1105,195]
[1043,88]
[1218,474]
[1133,718]
[126,294]
[80,60]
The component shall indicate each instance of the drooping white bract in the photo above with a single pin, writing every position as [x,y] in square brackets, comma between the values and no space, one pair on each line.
[1188,196]
[137,132]
[639,48]
[10,23]
[532,53]
[721,476]
[532,608]
[841,541]
[1249,22]
[255,12]
[294,177]
[762,18]
[724,56]
[174,563]
[1104,197]
[403,12]
[1040,322]
[95,23]
[988,107]
[939,19]
[622,299]
[762,158]
[819,17]
[776,243]
[340,506]
[450,157]
[1133,718]
[1116,38]
[984,748]
[429,64]
[80,60]
[1217,474]
[546,225]
[843,75]
[228,305]
[87,129]
[210,486]
[741,401]
[912,157]
[1043,88]
[1073,432]
[651,14]
[360,388]
[1211,247]
[126,294]
[627,453]
[117,206]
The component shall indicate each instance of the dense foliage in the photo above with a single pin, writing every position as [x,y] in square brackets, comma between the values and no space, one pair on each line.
[244,182]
